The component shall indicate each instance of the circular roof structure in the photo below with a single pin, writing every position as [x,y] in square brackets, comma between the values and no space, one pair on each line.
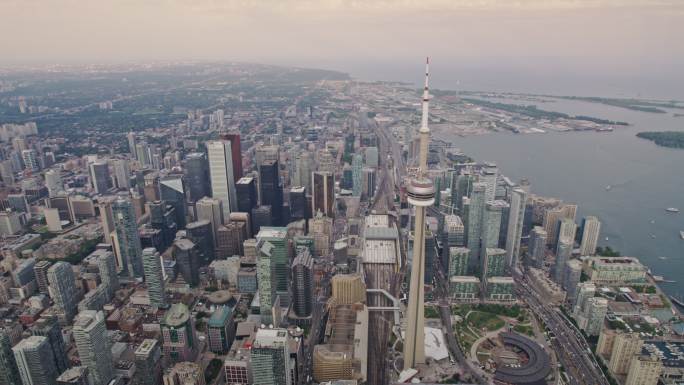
[219,297]
[533,372]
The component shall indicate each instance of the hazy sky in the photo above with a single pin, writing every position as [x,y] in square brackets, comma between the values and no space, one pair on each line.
[370,38]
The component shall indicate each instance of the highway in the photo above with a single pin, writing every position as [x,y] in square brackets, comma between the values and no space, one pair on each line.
[569,344]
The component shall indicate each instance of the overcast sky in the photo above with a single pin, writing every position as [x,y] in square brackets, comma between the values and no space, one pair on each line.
[620,38]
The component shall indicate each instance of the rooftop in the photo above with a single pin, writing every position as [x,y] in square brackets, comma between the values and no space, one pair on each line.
[177,315]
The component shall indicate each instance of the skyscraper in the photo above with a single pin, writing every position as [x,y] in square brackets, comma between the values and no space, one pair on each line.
[265,268]
[357,174]
[494,263]
[122,173]
[591,228]
[236,153]
[302,283]
[201,234]
[188,260]
[474,223]
[129,249]
[93,347]
[172,192]
[421,195]
[246,194]
[220,329]
[270,357]
[30,158]
[99,176]
[516,217]
[40,269]
[489,178]
[48,327]
[210,209]
[53,182]
[323,193]
[63,289]
[563,254]
[298,203]
[9,373]
[491,224]
[221,172]
[35,362]
[148,363]
[271,191]
[196,173]
[131,144]
[154,278]
[537,248]
[458,261]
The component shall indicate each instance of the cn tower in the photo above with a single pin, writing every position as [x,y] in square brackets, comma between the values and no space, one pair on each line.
[421,194]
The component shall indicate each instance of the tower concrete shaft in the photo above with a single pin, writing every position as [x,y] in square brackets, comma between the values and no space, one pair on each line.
[421,195]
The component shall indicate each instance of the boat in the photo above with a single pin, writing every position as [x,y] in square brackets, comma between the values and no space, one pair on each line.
[672,210]
[652,221]
[608,187]
[662,258]
[681,234]
[653,236]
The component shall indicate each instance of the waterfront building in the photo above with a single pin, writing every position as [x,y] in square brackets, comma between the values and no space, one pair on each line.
[516,218]
[625,346]
[644,370]
[591,228]
[474,223]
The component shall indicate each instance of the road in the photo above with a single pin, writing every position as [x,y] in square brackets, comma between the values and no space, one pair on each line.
[569,344]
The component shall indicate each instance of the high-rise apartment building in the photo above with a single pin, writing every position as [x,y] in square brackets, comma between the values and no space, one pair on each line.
[154,279]
[537,247]
[458,261]
[93,347]
[494,263]
[128,247]
[516,218]
[591,228]
[48,326]
[625,346]
[475,219]
[35,362]
[63,289]
[644,370]
[9,373]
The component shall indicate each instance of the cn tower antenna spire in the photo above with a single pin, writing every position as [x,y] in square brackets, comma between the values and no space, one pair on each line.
[424,130]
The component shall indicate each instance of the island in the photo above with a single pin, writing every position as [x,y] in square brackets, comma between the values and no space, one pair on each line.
[672,139]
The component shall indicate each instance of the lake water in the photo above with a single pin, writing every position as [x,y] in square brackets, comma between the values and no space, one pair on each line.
[577,167]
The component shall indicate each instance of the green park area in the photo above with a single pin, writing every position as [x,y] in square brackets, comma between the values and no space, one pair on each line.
[475,321]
